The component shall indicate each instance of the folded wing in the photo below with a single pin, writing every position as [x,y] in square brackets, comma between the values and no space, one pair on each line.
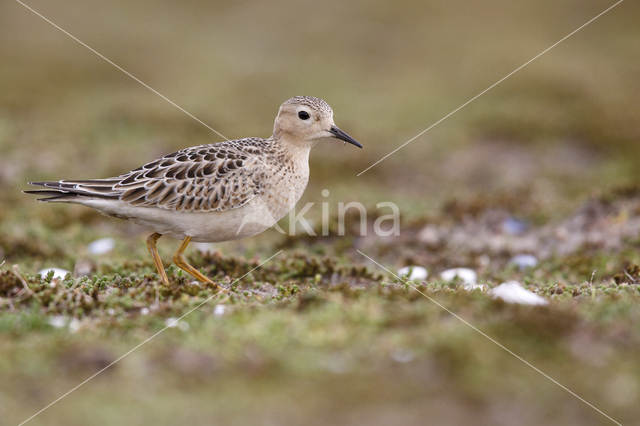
[215,177]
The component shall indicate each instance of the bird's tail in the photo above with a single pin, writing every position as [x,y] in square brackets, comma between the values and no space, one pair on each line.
[75,191]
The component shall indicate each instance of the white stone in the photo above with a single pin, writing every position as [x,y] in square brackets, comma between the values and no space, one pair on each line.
[171,322]
[57,273]
[524,261]
[58,321]
[144,311]
[175,322]
[414,272]
[74,325]
[468,276]
[219,310]
[513,292]
[101,246]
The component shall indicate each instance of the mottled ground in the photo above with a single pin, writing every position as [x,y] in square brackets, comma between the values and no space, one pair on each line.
[544,164]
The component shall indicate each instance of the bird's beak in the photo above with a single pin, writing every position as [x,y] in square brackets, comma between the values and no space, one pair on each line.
[339,134]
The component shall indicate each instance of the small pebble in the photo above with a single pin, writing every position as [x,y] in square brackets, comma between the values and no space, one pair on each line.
[58,321]
[468,276]
[171,322]
[57,273]
[144,311]
[219,310]
[514,226]
[524,261]
[513,292]
[74,325]
[414,272]
[101,246]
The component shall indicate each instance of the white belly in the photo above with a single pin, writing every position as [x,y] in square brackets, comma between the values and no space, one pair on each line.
[251,219]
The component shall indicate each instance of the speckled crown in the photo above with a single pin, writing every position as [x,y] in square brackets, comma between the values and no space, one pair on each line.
[315,103]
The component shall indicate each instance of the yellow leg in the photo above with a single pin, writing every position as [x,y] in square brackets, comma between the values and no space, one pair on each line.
[179,259]
[151,244]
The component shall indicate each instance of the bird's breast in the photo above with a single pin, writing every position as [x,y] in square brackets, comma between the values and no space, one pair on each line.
[284,189]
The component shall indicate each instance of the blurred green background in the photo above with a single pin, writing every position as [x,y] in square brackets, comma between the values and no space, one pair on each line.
[389,69]
[562,130]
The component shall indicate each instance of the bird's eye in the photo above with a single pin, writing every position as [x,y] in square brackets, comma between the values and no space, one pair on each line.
[303,115]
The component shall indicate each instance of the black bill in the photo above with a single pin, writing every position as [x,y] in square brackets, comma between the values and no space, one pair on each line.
[339,134]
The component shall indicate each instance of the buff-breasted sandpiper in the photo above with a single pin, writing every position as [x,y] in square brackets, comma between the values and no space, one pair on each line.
[212,193]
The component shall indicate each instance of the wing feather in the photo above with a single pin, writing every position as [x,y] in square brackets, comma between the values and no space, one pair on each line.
[215,177]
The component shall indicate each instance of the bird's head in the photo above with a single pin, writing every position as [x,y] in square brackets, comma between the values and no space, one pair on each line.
[305,120]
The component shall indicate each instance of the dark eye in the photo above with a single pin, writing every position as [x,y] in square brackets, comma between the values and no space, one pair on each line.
[303,115]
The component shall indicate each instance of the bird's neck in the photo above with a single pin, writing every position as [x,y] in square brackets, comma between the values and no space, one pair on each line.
[294,150]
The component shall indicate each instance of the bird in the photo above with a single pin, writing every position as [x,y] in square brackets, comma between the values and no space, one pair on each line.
[212,193]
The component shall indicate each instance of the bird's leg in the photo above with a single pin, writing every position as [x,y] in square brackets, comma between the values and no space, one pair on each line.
[179,259]
[151,244]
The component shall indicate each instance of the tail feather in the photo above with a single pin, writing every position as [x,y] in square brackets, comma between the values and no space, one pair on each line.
[66,191]
[56,197]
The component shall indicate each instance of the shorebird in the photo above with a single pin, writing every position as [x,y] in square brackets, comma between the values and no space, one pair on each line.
[212,193]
